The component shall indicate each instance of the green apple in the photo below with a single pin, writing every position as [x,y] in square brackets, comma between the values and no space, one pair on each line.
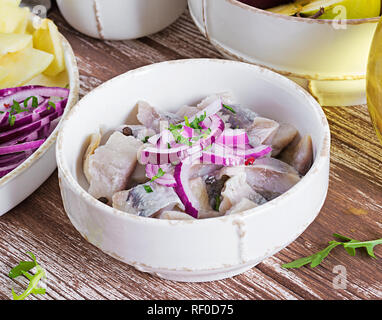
[343,9]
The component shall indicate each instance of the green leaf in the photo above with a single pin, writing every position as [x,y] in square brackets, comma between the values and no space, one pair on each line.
[23,266]
[352,244]
[368,245]
[22,269]
[350,251]
[31,287]
[314,259]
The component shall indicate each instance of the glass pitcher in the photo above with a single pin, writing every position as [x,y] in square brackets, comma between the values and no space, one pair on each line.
[374,81]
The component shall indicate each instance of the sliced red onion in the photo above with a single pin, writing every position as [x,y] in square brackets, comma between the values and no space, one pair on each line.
[188,132]
[166,180]
[9,159]
[25,118]
[227,160]
[4,170]
[155,155]
[21,147]
[29,129]
[183,189]
[30,91]
[217,128]
[9,91]
[233,138]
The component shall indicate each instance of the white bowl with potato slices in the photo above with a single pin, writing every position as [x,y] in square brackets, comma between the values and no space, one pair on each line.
[39,83]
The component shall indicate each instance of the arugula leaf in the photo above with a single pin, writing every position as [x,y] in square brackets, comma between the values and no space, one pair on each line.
[350,251]
[368,245]
[350,245]
[23,266]
[314,259]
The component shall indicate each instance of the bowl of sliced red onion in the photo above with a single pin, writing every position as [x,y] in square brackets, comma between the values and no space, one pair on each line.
[194,170]
[29,120]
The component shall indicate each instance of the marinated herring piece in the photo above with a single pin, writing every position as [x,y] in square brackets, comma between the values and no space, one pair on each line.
[139,132]
[284,135]
[235,189]
[244,204]
[300,156]
[111,165]
[271,177]
[151,118]
[140,202]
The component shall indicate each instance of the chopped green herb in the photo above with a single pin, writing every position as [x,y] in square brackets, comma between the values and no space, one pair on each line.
[148,189]
[51,104]
[195,124]
[12,120]
[177,135]
[22,269]
[218,201]
[168,145]
[146,139]
[350,245]
[34,102]
[158,175]
[186,121]
[229,108]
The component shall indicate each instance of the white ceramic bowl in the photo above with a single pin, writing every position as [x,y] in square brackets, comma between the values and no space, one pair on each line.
[199,250]
[305,49]
[120,19]
[25,179]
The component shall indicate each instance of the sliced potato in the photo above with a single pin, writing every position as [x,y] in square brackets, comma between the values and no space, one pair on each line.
[12,42]
[3,73]
[61,80]
[23,65]
[47,38]
[13,19]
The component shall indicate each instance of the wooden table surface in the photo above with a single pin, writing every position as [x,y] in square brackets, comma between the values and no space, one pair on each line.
[78,270]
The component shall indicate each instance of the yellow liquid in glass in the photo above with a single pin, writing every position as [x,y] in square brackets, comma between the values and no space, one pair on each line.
[374,81]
